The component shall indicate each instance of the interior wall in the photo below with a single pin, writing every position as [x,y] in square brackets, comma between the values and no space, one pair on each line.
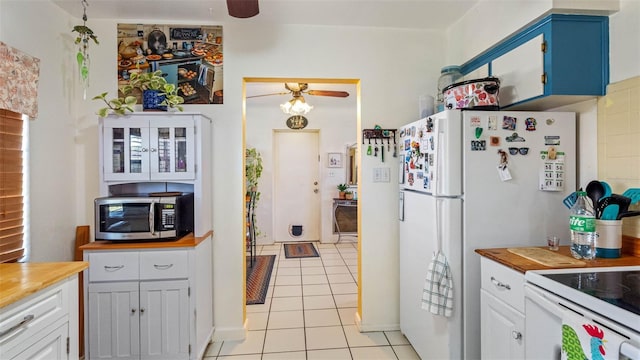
[336,120]
[395,66]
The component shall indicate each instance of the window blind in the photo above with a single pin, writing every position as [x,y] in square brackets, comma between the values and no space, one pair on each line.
[11,194]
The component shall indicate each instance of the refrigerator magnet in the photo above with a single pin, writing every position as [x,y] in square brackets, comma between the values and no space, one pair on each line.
[478,145]
[530,124]
[509,123]
[494,140]
[475,121]
[493,123]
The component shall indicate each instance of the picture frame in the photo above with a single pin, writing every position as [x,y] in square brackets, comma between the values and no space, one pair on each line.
[335,160]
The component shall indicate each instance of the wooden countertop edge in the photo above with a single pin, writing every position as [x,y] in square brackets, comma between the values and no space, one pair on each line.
[521,264]
[19,280]
[186,241]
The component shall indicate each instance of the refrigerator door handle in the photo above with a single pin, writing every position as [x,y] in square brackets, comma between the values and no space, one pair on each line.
[437,183]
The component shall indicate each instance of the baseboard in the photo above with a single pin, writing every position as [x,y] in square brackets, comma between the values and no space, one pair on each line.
[373,327]
[202,350]
[229,334]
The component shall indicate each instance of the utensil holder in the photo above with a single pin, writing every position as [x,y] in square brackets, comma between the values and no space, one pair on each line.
[609,242]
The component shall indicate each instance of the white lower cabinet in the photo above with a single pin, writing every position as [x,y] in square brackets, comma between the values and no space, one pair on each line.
[159,308]
[501,312]
[43,325]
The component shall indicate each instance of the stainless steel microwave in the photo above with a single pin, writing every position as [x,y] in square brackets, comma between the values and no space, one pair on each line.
[137,218]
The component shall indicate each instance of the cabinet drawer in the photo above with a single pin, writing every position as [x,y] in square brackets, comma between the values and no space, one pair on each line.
[21,322]
[504,283]
[113,266]
[164,264]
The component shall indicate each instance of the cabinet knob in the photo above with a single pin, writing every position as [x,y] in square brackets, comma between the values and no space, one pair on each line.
[153,150]
[517,335]
[144,149]
[133,311]
[141,310]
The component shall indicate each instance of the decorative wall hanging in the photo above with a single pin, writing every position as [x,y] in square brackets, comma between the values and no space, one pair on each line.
[19,73]
[297,122]
[84,35]
[188,56]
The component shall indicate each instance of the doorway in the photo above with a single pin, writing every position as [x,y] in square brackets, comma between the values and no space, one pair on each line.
[296,205]
[262,116]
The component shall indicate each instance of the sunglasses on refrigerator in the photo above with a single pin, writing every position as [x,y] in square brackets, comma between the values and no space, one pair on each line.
[515,150]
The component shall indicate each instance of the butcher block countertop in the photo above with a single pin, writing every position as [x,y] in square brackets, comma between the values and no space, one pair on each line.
[186,241]
[19,280]
[521,264]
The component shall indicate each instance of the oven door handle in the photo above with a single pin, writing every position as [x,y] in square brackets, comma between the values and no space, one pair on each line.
[629,350]
[539,297]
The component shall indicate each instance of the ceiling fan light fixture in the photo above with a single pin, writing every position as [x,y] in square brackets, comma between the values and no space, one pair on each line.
[296,106]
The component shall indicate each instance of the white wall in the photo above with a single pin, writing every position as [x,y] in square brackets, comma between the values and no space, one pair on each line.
[335,118]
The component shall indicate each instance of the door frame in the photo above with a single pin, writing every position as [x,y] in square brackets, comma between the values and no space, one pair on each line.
[357,84]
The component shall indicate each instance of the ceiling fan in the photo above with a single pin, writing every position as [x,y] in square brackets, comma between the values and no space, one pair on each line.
[243,8]
[297,105]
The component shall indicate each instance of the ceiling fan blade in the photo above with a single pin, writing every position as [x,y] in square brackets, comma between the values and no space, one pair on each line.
[280,93]
[328,93]
[243,8]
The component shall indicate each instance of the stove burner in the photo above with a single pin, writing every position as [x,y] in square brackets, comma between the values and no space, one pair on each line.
[619,288]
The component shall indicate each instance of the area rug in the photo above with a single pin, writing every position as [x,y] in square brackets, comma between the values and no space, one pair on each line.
[258,277]
[300,250]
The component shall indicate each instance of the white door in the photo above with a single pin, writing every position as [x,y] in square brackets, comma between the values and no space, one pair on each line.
[296,189]
[502,329]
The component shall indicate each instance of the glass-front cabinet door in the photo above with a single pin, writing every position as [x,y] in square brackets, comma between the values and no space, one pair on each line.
[126,147]
[172,149]
[149,149]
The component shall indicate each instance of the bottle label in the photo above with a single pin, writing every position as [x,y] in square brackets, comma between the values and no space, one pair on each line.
[582,223]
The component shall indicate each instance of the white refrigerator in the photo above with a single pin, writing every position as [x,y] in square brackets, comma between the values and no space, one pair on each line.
[470,180]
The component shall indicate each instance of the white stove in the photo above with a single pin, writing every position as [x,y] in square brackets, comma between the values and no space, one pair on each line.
[609,297]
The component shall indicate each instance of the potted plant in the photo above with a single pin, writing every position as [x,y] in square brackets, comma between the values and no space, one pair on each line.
[348,195]
[157,93]
[341,190]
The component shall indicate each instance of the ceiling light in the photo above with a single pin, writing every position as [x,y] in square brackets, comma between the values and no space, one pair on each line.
[296,106]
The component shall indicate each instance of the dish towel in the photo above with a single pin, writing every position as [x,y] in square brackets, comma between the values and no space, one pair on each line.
[583,339]
[437,295]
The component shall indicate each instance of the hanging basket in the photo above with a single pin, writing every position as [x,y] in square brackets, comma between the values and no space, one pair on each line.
[151,100]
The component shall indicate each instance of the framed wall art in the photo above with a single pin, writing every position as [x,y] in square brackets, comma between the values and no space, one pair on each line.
[189,56]
[335,160]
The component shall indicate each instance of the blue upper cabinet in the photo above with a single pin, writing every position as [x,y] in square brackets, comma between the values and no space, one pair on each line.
[559,60]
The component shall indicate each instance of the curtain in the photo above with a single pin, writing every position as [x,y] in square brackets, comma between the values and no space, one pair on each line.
[18,81]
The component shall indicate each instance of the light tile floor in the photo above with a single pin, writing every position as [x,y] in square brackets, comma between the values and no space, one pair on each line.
[309,313]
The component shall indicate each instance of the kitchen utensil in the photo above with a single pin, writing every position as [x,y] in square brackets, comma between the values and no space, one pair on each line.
[606,187]
[595,191]
[609,207]
[633,194]
[473,94]
[571,199]
[627,214]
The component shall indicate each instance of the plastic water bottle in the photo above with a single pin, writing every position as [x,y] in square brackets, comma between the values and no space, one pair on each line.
[582,224]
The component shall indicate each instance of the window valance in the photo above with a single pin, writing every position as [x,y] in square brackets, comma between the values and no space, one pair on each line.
[19,74]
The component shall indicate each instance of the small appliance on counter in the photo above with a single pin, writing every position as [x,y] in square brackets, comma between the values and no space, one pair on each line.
[154,216]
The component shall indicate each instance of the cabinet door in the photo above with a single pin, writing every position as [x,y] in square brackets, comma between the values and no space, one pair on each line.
[520,72]
[172,149]
[502,329]
[164,319]
[126,150]
[51,346]
[114,320]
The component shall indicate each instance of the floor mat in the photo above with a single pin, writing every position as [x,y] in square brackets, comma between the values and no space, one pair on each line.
[258,277]
[300,250]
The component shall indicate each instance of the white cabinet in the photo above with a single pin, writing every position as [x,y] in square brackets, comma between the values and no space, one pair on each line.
[501,312]
[145,148]
[557,60]
[43,325]
[152,303]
